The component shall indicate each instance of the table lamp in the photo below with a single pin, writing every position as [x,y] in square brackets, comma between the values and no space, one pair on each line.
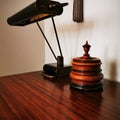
[37,11]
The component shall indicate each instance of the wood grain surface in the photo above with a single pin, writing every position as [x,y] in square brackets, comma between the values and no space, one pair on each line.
[30,96]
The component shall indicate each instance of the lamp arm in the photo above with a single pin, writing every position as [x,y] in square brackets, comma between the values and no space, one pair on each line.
[46,40]
[55,30]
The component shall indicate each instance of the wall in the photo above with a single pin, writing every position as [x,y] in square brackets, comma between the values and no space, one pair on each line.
[101,27]
[21,48]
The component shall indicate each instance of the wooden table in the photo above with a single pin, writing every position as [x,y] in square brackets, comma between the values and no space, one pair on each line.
[30,96]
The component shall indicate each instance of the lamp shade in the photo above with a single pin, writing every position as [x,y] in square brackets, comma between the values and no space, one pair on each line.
[38,10]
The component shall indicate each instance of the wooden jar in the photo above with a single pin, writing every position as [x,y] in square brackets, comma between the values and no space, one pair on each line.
[86,72]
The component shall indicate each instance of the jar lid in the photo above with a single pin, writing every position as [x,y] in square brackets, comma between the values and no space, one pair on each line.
[86,58]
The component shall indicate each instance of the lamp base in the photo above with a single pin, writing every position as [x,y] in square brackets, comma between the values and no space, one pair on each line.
[51,70]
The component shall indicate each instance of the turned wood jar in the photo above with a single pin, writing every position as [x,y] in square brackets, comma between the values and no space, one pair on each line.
[86,72]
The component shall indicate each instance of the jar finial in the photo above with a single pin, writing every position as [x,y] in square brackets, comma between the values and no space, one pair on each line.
[86,48]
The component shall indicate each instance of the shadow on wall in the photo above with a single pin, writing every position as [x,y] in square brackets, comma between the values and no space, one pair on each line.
[113,70]
[75,27]
[111,63]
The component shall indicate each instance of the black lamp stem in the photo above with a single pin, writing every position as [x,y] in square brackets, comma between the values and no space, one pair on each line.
[57,36]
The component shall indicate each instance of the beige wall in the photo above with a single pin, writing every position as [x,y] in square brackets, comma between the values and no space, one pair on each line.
[101,27]
[21,48]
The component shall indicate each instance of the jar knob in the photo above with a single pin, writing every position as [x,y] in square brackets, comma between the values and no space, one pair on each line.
[86,48]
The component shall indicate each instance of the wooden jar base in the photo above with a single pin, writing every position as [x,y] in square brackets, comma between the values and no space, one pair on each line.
[86,82]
